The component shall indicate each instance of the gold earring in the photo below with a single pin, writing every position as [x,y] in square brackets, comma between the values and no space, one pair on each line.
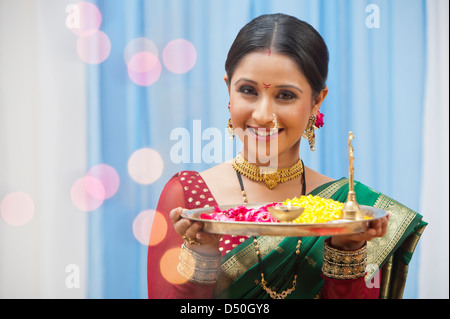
[230,125]
[230,129]
[310,132]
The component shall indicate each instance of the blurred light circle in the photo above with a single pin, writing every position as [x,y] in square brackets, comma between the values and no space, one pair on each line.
[109,178]
[94,187]
[159,229]
[137,46]
[168,266]
[94,48]
[179,56]
[142,225]
[145,78]
[149,227]
[145,166]
[83,18]
[17,208]
[143,62]
[87,193]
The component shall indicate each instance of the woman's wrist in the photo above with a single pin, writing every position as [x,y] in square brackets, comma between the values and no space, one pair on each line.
[207,250]
[342,244]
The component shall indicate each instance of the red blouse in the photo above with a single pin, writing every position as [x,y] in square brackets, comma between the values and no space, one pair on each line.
[187,189]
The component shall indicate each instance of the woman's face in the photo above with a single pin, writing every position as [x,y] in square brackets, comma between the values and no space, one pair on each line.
[264,84]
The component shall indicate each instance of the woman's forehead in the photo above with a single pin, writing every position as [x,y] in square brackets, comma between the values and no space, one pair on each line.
[260,66]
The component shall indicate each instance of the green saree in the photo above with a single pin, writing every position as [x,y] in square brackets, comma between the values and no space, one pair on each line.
[240,275]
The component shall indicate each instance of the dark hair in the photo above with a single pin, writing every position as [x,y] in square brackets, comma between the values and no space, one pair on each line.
[286,35]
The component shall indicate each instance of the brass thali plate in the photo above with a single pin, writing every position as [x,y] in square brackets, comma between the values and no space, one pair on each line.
[336,227]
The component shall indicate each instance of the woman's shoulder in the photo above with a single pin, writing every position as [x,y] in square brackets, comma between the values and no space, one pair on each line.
[223,183]
[220,170]
[188,189]
[219,176]
[180,181]
[315,179]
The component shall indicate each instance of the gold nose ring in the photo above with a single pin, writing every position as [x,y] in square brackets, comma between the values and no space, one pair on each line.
[275,121]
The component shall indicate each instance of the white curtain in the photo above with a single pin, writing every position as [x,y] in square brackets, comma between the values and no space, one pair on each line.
[42,150]
[434,249]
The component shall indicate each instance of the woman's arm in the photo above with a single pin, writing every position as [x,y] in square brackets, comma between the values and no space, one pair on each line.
[163,278]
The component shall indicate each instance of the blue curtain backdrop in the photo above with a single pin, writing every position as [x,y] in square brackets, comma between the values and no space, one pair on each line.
[376,83]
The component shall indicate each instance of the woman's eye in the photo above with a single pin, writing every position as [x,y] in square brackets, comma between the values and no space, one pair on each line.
[247,90]
[286,95]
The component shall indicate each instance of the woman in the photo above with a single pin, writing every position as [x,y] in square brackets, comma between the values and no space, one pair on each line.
[275,73]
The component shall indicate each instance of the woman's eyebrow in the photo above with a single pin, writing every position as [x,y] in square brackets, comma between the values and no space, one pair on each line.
[246,80]
[290,86]
[278,86]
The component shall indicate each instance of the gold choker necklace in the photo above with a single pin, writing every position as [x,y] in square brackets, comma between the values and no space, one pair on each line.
[271,177]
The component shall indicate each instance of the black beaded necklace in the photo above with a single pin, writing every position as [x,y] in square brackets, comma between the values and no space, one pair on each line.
[272,293]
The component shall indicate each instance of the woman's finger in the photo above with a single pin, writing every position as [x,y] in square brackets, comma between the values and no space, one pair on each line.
[192,230]
[175,214]
[181,225]
[375,228]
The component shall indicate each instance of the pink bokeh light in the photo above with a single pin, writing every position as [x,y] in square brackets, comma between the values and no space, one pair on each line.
[87,193]
[83,18]
[145,166]
[144,68]
[139,45]
[17,208]
[94,48]
[143,62]
[109,178]
[179,56]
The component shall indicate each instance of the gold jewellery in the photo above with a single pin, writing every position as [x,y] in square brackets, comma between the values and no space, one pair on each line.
[191,241]
[273,294]
[309,133]
[271,177]
[341,264]
[230,129]
[275,122]
[198,268]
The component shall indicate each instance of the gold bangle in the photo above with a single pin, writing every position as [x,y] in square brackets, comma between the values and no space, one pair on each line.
[197,268]
[341,264]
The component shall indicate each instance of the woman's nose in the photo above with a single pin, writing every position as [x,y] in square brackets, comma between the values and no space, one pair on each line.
[263,113]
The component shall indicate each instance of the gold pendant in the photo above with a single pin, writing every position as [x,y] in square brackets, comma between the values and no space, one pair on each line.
[271,180]
[271,177]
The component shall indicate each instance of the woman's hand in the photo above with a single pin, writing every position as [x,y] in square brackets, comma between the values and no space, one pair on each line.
[208,244]
[373,229]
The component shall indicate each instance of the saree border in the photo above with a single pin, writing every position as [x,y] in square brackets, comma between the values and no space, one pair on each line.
[379,249]
[328,191]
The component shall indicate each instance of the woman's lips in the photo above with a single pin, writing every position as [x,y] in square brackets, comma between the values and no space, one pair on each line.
[264,134]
